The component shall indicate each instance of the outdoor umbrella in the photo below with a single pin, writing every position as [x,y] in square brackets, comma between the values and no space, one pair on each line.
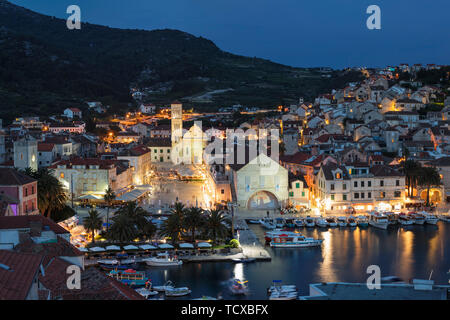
[82,249]
[165,246]
[130,247]
[186,246]
[113,248]
[147,247]
[96,249]
[204,245]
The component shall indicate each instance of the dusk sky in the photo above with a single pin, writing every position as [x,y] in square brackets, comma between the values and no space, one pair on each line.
[293,32]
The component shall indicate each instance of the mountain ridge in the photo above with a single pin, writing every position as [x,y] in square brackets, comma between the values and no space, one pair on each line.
[46,67]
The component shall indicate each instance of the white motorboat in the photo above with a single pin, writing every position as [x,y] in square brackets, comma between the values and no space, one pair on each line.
[283,295]
[309,222]
[321,223]
[167,286]
[444,217]
[378,220]
[342,221]
[146,293]
[268,223]
[299,223]
[430,218]
[162,260]
[331,222]
[351,221]
[405,220]
[177,292]
[419,218]
[299,241]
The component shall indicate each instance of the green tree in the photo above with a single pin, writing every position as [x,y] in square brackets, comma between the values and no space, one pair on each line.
[123,229]
[215,225]
[109,198]
[134,220]
[92,222]
[412,170]
[50,191]
[193,220]
[429,177]
[173,226]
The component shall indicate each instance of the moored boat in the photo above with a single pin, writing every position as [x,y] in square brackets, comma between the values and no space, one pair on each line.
[162,260]
[321,223]
[268,223]
[405,220]
[430,218]
[362,221]
[280,222]
[378,220]
[269,235]
[342,221]
[299,223]
[177,292]
[331,221]
[351,222]
[299,241]
[444,217]
[167,286]
[309,222]
[130,277]
[419,218]
[146,293]
[290,223]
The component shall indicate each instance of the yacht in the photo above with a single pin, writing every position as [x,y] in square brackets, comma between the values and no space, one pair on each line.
[299,241]
[351,222]
[269,235]
[322,223]
[162,260]
[342,221]
[378,220]
[331,221]
[362,221]
[309,222]
[405,220]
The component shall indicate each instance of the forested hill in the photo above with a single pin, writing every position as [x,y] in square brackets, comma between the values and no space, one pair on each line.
[44,67]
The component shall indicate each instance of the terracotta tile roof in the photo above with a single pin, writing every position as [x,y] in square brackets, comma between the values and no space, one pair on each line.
[15,283]
[12,177]
[45,147]
[23,222]
[297,158]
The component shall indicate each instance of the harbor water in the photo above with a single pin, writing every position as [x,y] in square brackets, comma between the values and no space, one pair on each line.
[407,252]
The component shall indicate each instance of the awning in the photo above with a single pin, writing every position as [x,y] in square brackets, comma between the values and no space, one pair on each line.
[147,247]
[82,249]
[130,247]
[113,248]
[186,246]
[96,249]
[89,197]
[132,195]
[204,245]
[165,246]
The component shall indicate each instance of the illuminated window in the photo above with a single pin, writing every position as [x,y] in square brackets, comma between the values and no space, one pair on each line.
[62,175]
[338,175]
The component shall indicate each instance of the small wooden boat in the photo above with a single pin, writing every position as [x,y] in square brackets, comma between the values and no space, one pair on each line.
[290,223]
[351,222]
[362,221]
[177,292]
[309,222]
[331,222]
[299,223]
[167,285]
[238,287]
[146,293]
[342,221]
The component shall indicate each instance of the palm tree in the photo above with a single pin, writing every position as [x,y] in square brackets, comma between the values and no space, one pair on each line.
[411,169]
[108,197]
[215,225]
[173,226]
[429,177]
[123,229]
[193,220]
[92,222]
[50,191]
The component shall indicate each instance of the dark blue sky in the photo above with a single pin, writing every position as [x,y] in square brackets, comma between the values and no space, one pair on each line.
[302,33]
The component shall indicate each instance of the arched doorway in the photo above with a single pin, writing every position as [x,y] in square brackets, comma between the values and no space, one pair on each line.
[435,195]
[263,200]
